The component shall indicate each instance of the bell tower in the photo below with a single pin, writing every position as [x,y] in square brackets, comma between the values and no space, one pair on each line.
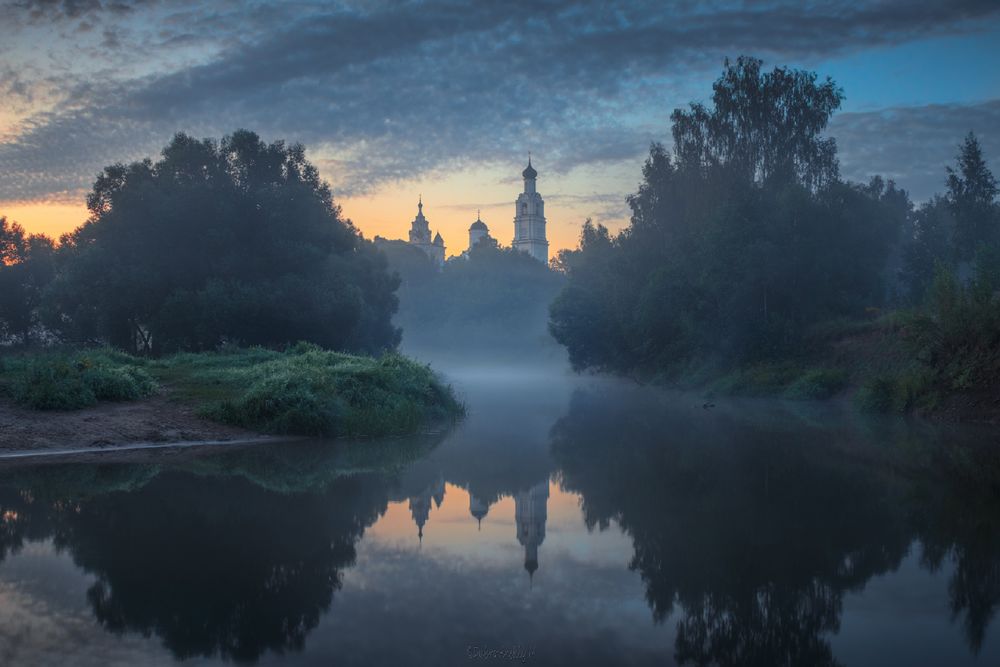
[529,219]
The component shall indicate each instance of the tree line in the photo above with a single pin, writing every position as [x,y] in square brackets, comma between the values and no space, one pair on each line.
[231,241]
[745,237]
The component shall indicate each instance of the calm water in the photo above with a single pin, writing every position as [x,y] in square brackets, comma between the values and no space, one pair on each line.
[566,521]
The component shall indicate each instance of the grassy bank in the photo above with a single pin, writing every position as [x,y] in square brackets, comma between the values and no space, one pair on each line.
[906,362]
[304,390]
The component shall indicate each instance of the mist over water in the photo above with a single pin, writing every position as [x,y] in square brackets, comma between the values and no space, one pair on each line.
[578,520]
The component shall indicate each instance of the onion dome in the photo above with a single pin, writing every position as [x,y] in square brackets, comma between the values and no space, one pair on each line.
[529,172]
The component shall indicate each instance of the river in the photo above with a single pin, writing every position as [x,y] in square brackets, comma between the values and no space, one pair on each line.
[567,520]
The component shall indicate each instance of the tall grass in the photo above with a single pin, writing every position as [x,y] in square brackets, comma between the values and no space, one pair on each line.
[310,391]
[74,380]
[304,390]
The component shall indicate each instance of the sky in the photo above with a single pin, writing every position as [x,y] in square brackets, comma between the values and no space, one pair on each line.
[444,99]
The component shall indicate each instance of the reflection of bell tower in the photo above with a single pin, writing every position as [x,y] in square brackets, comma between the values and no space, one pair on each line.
[478,509]
[530,513]
[420,505]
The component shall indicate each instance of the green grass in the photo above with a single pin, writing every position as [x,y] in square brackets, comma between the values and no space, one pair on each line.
[74,380]
[302,391]
[903,391]
[786,379]
[309,391]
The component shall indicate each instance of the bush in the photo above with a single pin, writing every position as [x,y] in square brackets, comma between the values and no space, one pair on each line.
[309,391]
[119,383]
[758,380]
[73,381]
[817,383]
[877,394]
[52,384]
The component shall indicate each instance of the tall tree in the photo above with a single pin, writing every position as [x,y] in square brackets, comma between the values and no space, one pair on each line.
[972,192]
[26,268]
[738,242]
[763,125]
[236,240]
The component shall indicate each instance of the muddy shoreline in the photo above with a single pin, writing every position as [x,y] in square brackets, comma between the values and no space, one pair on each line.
[153,421]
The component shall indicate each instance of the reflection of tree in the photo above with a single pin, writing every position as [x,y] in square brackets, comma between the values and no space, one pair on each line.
[209,565]
[956,523]
[756,529]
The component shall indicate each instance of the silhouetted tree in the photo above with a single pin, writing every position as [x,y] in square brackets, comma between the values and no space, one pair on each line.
[738,242]
[26,268]
[235,240]
[972,192]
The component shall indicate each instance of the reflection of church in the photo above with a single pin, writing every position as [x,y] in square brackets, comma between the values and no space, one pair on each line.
[530,515]
[420,504]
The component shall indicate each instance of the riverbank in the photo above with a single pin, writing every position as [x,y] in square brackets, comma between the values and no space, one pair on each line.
[890,365]
[102,397]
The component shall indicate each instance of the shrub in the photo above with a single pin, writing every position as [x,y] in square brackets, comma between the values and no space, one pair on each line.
[110,383]
[309,391]
[876,394]
[817,383]
[52,384]
[59,381]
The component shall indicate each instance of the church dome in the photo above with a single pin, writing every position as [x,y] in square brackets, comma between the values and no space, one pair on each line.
[529,172]
[438,240]
[479,225]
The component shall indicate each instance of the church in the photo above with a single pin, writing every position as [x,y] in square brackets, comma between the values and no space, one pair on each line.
[529,225]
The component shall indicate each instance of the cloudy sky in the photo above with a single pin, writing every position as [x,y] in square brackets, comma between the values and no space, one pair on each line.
[394,99]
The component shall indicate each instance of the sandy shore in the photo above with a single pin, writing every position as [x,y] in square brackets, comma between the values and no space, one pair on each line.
[153,420]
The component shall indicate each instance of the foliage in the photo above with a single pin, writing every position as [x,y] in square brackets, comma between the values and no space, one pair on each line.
[739,242]
[231,241]
[70,381]
[26,268]
[972,191]
[927,244]
[957,333]
[304,390]
[309,391]
[818,383]
[953,229]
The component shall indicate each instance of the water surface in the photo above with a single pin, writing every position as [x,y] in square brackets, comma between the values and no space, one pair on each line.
[566,521]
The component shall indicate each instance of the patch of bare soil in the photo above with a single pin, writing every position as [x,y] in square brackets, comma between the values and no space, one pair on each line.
[153,420]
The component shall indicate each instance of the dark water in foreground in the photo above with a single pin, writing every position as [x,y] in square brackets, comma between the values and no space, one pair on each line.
[569,521]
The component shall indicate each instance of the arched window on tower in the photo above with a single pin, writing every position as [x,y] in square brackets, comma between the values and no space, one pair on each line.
[524,208]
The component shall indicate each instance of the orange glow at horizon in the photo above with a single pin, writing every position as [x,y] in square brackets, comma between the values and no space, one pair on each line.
[50,218]
[451,203]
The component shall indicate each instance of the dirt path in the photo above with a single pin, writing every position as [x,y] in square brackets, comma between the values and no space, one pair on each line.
[153,420]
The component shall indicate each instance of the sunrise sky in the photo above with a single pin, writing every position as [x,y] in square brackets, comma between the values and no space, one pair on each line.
[446,99]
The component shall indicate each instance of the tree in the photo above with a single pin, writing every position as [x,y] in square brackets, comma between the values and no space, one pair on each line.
[762,125]
[236,241]
[972,191]
[738,242]
[927,244]
[26,268]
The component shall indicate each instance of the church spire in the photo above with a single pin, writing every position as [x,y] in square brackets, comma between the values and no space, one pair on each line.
[529,173]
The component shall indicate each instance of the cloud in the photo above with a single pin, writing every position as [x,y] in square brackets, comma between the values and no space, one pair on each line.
[912,145]
[387,91]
